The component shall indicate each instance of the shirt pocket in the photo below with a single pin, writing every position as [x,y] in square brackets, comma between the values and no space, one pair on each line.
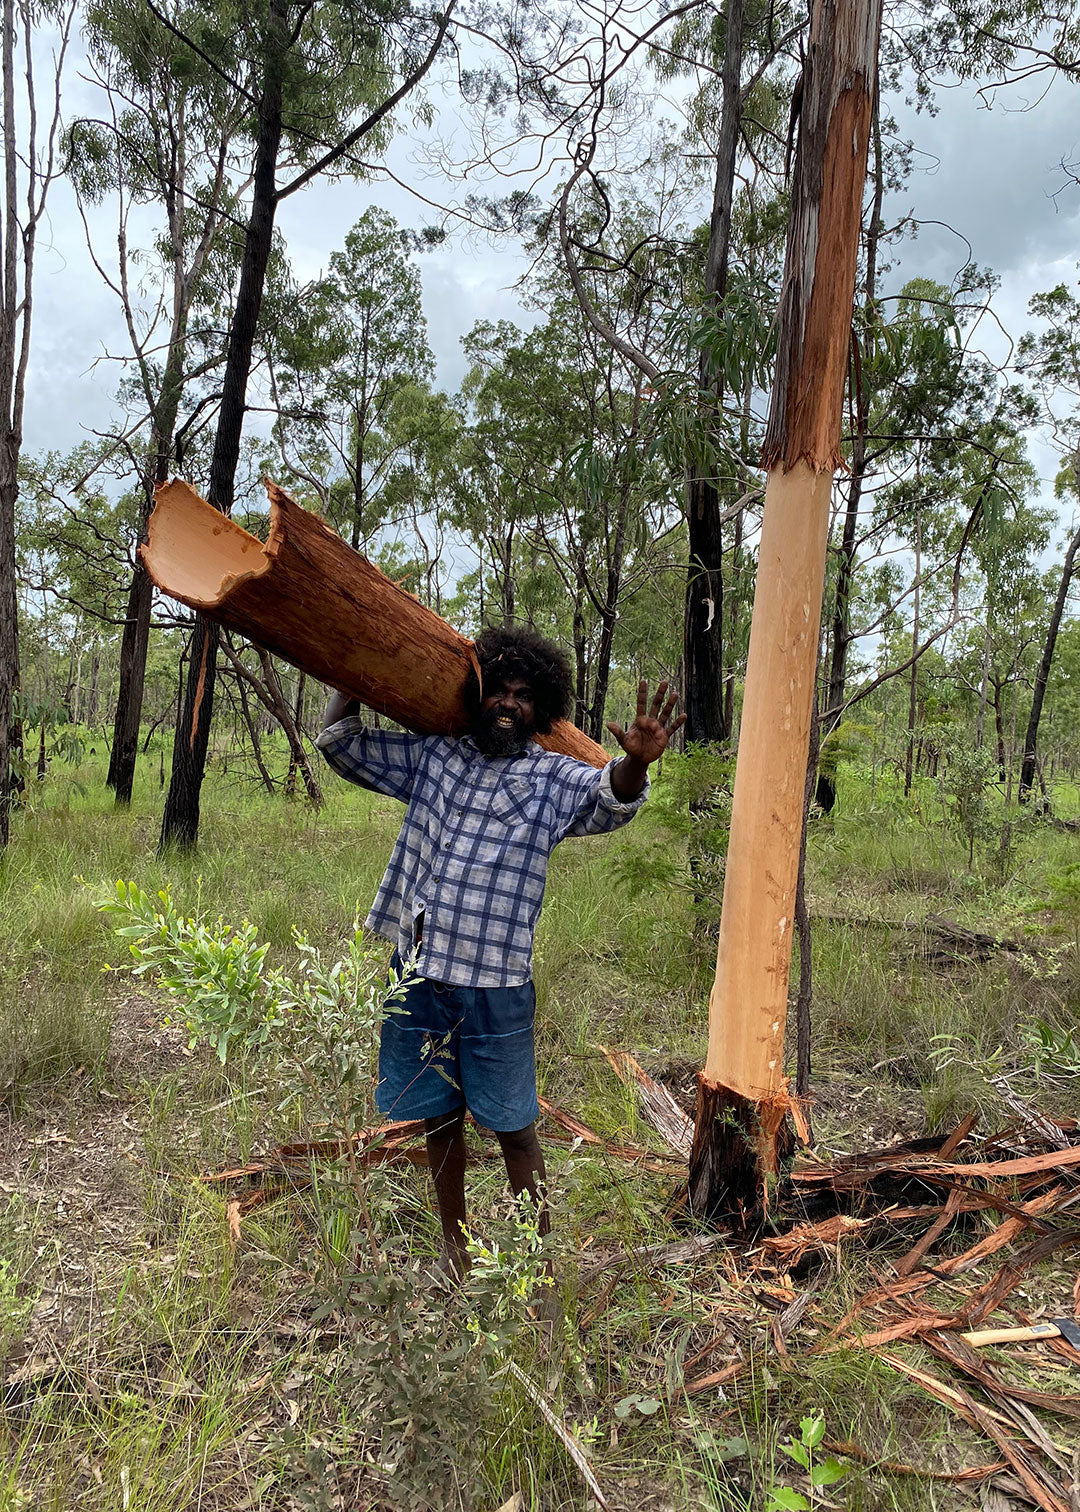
[516,802]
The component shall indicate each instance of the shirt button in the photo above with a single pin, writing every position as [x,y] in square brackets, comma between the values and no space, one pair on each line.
[446,845]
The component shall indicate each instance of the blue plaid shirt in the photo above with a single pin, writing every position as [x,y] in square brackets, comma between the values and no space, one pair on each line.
[468,870]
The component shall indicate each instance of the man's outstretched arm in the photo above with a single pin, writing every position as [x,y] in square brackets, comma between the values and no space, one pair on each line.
[644,741]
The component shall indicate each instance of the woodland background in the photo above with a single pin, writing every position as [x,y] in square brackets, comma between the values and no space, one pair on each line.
[590,467]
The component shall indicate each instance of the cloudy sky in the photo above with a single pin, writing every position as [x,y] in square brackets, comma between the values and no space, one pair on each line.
[991,171]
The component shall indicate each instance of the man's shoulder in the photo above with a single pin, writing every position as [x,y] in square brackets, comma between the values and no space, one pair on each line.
[557,767]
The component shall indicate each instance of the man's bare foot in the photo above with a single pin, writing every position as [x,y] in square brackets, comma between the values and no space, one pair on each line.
[452,1266]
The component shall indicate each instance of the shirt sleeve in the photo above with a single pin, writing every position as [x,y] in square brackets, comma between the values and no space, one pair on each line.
[586,802]
[386,761]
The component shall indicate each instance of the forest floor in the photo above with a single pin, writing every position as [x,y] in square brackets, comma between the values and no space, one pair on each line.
[159,1355]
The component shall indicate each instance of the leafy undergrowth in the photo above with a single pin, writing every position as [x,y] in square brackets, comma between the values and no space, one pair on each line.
[155,1360]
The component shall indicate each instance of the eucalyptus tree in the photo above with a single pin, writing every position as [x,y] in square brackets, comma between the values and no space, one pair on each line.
[938,457]
[307,70]
[1052,361]
[166,141]
[359,338]
[1007,596]
[744,66]
[30,130]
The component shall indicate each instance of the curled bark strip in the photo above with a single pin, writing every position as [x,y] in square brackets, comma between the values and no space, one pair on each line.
[897,1467]
[570,1442]
[659,1107]
[308,597]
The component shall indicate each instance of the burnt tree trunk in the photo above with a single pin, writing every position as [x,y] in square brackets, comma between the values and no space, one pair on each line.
[741,1129]
[136,637]
[805,1000]
[180,822]
[703,620]
[1046,661]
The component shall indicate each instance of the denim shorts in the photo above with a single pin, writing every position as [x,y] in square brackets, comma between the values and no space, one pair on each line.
[443,1048]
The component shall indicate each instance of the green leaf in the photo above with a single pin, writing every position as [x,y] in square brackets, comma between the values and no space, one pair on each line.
[813,1430]
[828,1473]
[784,1499]
[797,1453]
[648,1405]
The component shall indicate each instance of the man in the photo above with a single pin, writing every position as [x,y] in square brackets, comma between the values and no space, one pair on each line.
[462,895]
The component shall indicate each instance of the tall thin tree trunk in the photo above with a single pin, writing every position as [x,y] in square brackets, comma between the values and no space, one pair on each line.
[180,822]
[1046,661]
[980,721]
[913,686]
[703,621]
[253,734]
[10,428]
[805,1000]
[860,389]
[740,1129]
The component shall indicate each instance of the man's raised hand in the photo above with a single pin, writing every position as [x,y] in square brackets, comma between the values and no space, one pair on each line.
[647,738]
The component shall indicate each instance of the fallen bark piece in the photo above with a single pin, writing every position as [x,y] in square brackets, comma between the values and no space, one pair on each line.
[1036,1482]
[897,1467]
[958,1135]
[937,1387]
[660,1108]
[804,1238]
[937,1228]
[651,1160]
[973,941]
[707,1382]
[999,1237]
[954,1350]
[566,1438]
[989,1298]
[308,597]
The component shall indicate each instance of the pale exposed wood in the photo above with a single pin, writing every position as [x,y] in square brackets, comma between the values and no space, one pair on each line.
[308,597]
[748,1005]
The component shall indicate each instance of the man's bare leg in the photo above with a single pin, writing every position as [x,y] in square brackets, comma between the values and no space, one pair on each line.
[525,1168]
[446,1157]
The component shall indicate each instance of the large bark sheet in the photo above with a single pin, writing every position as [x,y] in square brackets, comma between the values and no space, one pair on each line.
[310,598]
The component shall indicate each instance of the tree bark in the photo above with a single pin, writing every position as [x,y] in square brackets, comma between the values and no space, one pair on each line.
[804,1003]
[740,1132]
[1046,661]
[369,637]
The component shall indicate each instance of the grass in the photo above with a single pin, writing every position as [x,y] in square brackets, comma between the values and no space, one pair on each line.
[157,1366]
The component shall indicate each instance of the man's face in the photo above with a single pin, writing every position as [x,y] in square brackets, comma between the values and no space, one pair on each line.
[507,718]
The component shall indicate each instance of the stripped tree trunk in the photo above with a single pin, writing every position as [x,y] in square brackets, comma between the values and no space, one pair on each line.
[742,1093]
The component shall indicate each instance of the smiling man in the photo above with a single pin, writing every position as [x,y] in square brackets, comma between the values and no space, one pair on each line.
[462,894]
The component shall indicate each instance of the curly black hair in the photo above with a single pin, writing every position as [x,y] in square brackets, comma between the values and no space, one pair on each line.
[525,654]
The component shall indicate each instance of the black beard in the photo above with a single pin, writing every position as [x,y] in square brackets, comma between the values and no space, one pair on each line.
[493,741]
